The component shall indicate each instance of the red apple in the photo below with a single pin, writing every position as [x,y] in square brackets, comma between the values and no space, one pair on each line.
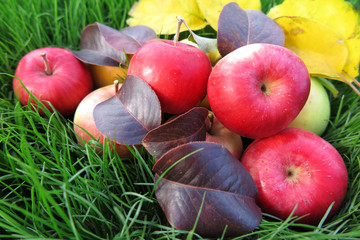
[258,90]
[217,133]
[296,168]
[84,123]
[52,75]
[177,73]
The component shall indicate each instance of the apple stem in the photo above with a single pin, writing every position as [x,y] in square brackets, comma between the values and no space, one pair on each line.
[46,62]
[179,22]
[116,84]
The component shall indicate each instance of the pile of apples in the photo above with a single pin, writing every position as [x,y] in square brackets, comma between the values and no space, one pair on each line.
[255,93]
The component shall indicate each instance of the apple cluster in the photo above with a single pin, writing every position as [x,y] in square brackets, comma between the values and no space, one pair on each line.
[257,92]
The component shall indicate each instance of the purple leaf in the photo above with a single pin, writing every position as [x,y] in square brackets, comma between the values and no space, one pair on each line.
[237,28]
[131,114]
[103,45]
[187,127]
[208,173]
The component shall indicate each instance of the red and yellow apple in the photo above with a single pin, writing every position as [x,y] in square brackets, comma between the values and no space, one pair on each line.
[258,89]
[52,75]
[84,123]
[106,75]
[177,73]
[296,168]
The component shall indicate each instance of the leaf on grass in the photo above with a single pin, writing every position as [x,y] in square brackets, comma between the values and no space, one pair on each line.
[209,176]
[322,50]
[211,8]
[161,15]
[187,127]
[338,15]
[238,27]
[127,117]
[105,46]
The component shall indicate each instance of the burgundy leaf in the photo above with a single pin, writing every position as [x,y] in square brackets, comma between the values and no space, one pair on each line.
[103,45]
[187,127]
[237,28]
[131,114]
[209,173]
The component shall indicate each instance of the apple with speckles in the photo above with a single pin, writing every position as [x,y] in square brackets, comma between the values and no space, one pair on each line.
[297,168]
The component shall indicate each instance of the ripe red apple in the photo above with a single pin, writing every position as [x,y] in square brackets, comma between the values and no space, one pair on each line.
[53,75]
[258,89]
[296,168]
[177,73]
[218,133]
[84,123]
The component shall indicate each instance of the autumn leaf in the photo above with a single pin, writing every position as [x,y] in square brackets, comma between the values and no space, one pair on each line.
[211,8]
[322,50]
[161,15]
[338,15]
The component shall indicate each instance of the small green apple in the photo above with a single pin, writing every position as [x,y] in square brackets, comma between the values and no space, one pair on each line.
[315,114]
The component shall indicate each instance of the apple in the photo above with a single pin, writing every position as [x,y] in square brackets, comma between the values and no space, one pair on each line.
[296,168]
[106,75]
[177,72]
[258,89]
[52,75]
[84,123]
[315,115]
[217,133]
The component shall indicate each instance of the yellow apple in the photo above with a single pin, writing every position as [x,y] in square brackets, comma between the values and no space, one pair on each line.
[106,75]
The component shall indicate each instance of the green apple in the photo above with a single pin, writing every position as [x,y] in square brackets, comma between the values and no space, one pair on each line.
[315,114]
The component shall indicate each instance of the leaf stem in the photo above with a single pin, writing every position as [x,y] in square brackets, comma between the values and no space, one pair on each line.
[46,63]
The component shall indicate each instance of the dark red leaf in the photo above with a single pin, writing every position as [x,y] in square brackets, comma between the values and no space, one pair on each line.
[210,172]
[187,127]
[131,114]
[103,45]
[237,28]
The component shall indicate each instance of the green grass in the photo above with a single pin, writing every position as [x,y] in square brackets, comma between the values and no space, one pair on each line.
[54,188]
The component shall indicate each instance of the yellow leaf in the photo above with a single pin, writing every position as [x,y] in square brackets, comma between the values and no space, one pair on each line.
[322,50]
[161,15]
[338,15]
[211,8]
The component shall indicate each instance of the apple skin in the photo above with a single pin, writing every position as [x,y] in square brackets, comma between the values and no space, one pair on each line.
[178,74]
[258,89]
[218,133]
[106,75]
[296,167]
[315,115]
[84,119]
[69,82]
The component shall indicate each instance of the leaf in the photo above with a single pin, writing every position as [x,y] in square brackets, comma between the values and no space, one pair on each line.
[161,15]
[322,50]
[103,45]
[127,117]
[211,8]
[209,171]
[338,15]
[187,127]
[238,28]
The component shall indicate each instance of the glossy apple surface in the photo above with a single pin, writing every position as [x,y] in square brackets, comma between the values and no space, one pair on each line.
[106,75]
[315,115]
[64,83]
[296,168]
[84,123]
[258,90]
[178,74]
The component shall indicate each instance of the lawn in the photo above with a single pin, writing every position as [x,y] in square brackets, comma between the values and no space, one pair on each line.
[54,188]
